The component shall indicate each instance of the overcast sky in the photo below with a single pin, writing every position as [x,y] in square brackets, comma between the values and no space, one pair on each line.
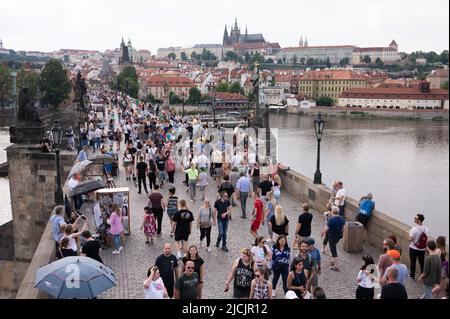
[48,25]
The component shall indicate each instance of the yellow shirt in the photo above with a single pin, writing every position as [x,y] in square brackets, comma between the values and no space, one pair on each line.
[192,174]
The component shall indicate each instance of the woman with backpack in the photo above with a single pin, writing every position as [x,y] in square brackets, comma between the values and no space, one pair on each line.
[206,219]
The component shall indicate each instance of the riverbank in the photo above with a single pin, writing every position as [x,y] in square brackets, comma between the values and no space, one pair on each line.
[357,113]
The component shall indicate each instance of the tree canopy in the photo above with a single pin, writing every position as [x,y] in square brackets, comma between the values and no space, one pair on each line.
[127,81]
[54,84]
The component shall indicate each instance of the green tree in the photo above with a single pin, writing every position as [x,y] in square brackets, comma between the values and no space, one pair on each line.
[195,96]
[150,98]
[445,85]
[235,88]
[29,79]
[269,60]
[379,63]
[232,56]
[444,57]
[172,56]
[328,62]
[344,61]
[302,60]
[127,81]
[294,60]
[184,56]
[174,99]
[310,61]
[5,84]
[325,101]
[366,59]
[280,61]
[54,84]
[247,57]
[223,87]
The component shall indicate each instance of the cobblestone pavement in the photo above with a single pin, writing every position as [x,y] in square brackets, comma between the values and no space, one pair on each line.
[133,262]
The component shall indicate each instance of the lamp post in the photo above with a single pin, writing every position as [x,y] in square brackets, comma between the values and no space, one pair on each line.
[80,115]
[214,103]
[57,134]
[14,91]
[318,128]
[183,102]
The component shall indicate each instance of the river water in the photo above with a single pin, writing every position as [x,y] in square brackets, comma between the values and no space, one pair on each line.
[405,164]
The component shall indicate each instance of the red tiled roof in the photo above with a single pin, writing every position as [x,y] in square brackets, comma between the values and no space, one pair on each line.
[403,93]
[325,75]
[230,96]
[258,45]
[374,49]
[172,81]
[441,73]
[320,47]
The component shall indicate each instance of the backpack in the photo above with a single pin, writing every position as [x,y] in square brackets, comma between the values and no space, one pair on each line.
[205,223]
[422,242]
[170,165]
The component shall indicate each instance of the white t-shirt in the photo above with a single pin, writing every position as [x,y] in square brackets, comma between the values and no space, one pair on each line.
[259,256]
[366,281]
[202,161]
[415,234]
[340,193]
[98,133]
[72,243]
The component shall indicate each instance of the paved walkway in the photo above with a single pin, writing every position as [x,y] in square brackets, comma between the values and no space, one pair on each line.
[132,264]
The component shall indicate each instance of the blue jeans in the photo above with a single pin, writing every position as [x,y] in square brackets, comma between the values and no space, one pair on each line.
[192,188]
[97,142]
[162,177]
[244,197]
[223,229]
[282,271]
[117,242]
[427,292]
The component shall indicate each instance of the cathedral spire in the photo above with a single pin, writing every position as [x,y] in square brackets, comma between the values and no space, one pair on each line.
[300,44]
[235,24]
[306,42]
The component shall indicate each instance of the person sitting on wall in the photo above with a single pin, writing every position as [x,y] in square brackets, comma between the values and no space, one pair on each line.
[366,207]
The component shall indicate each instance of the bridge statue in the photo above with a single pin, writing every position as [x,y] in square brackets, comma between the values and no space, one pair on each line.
[27,112]
[80,90]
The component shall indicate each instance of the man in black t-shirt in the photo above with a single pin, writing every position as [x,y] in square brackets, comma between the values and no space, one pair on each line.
[394,289]
[182,226]
[303,229]
[141,172]
[91,247]
[227,187]
[265,186]
[222,209]
[167,264]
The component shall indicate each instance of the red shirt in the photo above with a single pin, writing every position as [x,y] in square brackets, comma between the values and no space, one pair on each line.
[259,210]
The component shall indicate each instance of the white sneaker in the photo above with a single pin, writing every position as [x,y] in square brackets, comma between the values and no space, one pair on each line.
[120,249]
[208,249]
[273,294]
[115,252]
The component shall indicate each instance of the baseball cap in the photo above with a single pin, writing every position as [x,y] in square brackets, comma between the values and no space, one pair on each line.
[394,253]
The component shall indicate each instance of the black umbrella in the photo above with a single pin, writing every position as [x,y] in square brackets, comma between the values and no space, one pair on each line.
[87,187]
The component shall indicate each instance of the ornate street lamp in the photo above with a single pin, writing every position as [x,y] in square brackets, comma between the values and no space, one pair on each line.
[57,134]
[318,128]
[80,115]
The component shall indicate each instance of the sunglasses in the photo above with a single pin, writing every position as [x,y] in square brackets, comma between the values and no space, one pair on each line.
[190,268]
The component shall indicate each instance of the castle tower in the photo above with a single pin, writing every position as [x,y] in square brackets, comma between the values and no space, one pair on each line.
[1,44]
[300,44]
[129,43]
[394,45]
[226,38]
[306,42]
[235,34]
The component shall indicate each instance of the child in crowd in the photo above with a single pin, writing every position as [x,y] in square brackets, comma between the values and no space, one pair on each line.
[315,253]
[149,225]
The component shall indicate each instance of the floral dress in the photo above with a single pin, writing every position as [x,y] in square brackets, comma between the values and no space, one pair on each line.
[150,225]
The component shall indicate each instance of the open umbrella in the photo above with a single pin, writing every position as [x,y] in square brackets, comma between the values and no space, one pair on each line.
[104,158]
[87,187]
[75,277]
[79,167]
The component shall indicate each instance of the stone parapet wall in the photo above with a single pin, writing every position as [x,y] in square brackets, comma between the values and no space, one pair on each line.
[7,241]
[380,225]
[32,176]
[11,275]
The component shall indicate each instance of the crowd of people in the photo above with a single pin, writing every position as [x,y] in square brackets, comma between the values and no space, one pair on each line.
[156,143]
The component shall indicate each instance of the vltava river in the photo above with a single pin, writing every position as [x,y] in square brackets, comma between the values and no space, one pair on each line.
[405,164]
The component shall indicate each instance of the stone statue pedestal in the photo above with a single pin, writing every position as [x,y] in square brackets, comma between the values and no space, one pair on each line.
[27,133]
